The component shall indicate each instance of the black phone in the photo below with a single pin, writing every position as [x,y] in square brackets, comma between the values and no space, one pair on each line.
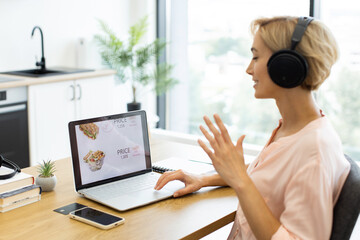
[96,218]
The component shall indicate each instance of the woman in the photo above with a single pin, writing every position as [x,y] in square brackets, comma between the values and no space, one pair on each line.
[290,190]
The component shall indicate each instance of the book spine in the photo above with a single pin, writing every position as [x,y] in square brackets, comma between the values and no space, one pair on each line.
[23,194]
[18,191]
[20,204]
[18,181]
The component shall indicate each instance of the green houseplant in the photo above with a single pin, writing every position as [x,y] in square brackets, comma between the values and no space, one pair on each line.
[46,179]
[134,61]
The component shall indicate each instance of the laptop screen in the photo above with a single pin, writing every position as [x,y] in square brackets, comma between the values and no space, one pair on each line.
[109,148]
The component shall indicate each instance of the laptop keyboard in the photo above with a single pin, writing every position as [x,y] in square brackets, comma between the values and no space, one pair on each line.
[125,186]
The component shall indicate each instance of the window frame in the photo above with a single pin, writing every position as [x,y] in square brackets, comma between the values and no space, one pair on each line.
[161,27]
[161,33]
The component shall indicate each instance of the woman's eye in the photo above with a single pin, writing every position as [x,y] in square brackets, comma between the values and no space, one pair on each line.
[254,58]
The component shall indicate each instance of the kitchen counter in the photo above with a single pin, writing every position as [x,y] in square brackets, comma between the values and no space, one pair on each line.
[20,81]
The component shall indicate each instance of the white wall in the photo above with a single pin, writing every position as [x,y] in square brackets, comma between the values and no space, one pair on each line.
[64,23]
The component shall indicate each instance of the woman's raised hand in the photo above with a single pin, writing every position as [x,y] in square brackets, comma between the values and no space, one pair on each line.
[227,158]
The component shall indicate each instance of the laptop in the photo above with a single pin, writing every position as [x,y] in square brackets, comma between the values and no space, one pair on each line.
[112,164]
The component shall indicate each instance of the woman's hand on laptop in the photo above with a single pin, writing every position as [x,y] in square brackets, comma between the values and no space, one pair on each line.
[192,182]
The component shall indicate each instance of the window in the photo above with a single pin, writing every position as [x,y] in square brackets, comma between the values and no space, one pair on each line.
[339,95]
[210,48]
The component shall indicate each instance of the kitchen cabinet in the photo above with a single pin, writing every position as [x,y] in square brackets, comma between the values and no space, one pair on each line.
[53,105]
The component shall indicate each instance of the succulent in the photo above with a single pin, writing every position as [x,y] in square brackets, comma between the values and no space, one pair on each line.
[46,168]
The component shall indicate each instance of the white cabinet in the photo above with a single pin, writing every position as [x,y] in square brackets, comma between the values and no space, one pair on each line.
[53,105]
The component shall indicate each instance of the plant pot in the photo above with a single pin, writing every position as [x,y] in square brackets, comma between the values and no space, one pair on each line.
[47,184]
[133,106]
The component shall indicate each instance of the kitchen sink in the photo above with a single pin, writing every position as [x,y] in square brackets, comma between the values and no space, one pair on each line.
[46,72]
[43,71]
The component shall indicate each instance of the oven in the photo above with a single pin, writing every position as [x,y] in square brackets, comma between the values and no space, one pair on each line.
[14,138]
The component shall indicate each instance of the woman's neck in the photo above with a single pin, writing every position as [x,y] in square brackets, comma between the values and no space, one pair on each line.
[297,108]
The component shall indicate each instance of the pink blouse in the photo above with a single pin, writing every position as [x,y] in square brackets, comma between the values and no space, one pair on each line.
[300,178]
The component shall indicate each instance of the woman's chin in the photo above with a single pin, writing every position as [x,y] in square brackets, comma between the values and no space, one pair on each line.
[260,95]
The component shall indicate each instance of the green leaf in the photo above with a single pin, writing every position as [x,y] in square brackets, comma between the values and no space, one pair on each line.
[132,60]
[164,81]
[46,169]
[137,31]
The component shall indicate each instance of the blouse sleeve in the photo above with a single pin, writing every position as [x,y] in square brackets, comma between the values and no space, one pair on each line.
[308,205]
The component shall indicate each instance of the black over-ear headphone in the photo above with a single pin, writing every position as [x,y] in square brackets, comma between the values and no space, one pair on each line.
[10,164]
[287,68]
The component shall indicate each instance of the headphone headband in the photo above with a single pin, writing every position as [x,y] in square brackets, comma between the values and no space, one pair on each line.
[10,164]
[299,31]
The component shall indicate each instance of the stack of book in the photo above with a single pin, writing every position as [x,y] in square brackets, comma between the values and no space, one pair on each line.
[17,191]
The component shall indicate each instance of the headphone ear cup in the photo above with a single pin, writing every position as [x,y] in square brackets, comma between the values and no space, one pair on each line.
[287,68]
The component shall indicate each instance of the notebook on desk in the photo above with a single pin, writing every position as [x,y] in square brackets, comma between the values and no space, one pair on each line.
[188,165]
[111,161]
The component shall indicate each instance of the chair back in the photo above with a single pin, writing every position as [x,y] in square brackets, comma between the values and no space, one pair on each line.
[347,208]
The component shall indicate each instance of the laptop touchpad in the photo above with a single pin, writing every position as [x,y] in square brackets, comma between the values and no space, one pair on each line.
[149,194]
[136,199]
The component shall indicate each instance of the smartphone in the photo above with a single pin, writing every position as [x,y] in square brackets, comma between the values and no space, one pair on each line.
[96,218]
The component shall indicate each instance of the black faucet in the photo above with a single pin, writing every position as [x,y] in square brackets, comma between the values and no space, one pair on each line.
[42,61]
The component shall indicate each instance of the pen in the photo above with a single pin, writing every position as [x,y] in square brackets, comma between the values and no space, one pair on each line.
[192,160]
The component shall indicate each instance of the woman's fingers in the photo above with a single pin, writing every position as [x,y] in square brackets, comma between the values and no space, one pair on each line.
[192,182]
[206,149]
[167,177]
[223,130]
[186,190]
[239,144]
[217,135]
[220,142]
[211,139]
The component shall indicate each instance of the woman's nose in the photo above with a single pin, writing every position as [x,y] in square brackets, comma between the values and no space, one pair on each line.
[249,69]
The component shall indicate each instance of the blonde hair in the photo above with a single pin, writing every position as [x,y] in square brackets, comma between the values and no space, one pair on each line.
[317,45]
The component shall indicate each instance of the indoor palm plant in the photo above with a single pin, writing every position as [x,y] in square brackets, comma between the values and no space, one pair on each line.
[134,61]
[46,179]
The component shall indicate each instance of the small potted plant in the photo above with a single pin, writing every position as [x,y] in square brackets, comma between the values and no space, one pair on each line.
[46,179]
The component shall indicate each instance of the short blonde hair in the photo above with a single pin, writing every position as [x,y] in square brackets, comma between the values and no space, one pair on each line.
[318,45]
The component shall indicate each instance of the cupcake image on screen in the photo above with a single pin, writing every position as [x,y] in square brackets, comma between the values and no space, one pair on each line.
[90,130]
[95,160]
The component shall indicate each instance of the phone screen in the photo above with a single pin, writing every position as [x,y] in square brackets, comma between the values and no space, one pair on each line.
[97,216]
